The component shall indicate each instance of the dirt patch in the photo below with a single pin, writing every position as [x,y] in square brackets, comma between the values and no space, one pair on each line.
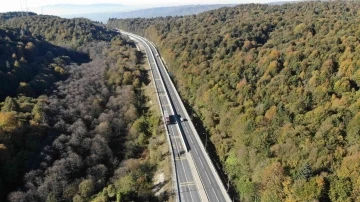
[159,183]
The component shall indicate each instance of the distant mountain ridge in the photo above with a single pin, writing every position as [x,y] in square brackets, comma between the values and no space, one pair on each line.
[152,12]
[171,11]
[71,9]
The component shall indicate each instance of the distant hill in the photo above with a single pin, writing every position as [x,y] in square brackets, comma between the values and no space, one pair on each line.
[151,12]
[71,9]
[9,15]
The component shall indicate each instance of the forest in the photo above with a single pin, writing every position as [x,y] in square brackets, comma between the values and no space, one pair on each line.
[277,89]
[74,120]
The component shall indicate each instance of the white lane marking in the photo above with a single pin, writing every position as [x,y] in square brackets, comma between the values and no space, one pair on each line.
[187,131]
[215,195]
[175,146]
[187,183]
[196,151]
[207,176]
[200,159]
[182,165]
[181,193]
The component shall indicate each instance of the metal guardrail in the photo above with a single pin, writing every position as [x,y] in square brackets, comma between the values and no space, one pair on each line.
[176,186]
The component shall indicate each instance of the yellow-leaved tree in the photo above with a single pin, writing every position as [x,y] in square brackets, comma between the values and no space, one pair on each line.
[8,121]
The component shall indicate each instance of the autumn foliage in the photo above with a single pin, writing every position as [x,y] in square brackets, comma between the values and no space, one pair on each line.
[277,87]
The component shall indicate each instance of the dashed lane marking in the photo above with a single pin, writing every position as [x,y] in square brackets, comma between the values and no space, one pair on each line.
[180,158]
[187,183]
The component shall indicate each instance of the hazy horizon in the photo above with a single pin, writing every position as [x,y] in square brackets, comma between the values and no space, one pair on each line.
[51,7]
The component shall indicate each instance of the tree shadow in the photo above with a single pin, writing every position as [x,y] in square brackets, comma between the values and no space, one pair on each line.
[211,150]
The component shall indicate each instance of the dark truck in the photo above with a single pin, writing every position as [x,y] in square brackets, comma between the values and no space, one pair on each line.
[167,117]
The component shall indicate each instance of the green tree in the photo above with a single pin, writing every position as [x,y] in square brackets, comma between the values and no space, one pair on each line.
[340,190]
[86,188]
[10,104]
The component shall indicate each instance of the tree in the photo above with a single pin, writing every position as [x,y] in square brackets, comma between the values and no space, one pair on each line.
[25,89]
[8,121]
[340,190]
[17,196]
[305,172]
[105,130]
[39,114]
[86,188]
[10,104]
[353,129]
[78,198]
[309,190]
[272,179]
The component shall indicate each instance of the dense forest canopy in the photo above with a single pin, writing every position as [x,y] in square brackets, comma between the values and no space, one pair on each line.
[70,33]
[73,120]
[277,88]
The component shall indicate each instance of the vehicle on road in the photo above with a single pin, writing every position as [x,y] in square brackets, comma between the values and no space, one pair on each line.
[167,117]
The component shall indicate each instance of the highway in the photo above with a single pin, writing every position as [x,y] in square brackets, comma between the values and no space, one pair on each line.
[184,138]
[188,190]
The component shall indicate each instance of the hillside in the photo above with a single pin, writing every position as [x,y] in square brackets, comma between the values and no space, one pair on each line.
[277,89]
[36,48]
[29,66]
[9,15]
[74,120]
[69,33]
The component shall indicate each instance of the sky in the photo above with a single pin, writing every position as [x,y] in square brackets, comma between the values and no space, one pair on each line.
[15,5]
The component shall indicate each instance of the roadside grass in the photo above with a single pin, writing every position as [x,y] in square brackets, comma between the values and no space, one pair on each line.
[148,174]
[158,147]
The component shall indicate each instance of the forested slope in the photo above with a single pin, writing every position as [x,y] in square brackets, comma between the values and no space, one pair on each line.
[277,88]
[9,15]
[29,66]
[70,33]
[73,125]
